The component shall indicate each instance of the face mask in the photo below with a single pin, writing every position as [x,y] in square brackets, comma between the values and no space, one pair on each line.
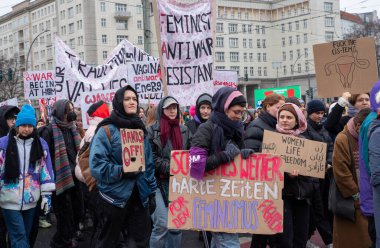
[71,116]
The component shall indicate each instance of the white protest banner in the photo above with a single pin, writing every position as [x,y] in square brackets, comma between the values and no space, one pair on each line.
[146,77]
[185,47]
[39,84]
[10,102]
[74,76]
[89,98]
[225,78]
[133,154]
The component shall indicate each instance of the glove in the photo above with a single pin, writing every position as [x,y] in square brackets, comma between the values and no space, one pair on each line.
[231,151]
[152,203]
[46,203]
[246,153]
[128,175]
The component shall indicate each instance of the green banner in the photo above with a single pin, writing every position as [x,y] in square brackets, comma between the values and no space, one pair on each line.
[287,91]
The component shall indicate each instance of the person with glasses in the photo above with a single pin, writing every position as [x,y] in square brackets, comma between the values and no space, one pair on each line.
[218,141]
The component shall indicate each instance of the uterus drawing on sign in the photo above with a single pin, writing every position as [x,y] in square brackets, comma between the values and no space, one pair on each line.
[345,66]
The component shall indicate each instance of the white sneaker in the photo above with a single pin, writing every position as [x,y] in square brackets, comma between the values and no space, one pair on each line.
[310,244]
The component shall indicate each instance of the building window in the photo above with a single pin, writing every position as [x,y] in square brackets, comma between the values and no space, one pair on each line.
[283,28]
[298,39]
[263,41]
[250,43]
[103,22]
[70,12]
[259,70]
[122,24]
[265,71]
[283,56]
[249,29]
[258,43]
[78,8]
[297,25]
[329,21]
[263,29]
[290,26]
[244,43]
[298,53]
[328,7]
[291,55]
[236,68]
[79,25]
[245,57]
[102,7]
[140,40]
[105,55]
[119,38]
[232,14]
[246,72]
[258,57]
[139,24]
[120,7]
[304,38]
[219,41]
[80,40]
[257,29]
[219,27]
[234,42]
[62,14]
[139,9]
[305,23]
[292,69]
[284,70]
[232,28]
[251,71]
[250,57]
[104,39]
[329,36]
[306,66]
[71,28]
[234,56]
[283,42]
[264,57]
[290,40]
[219,56]
[299,68]
[246,15]
[220,67]
[243,28]
[72,43]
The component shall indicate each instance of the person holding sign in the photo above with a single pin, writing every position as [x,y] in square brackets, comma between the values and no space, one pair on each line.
[298,190]
[218,141]
[347,233]
[165,135]
[126,199]
[202,112]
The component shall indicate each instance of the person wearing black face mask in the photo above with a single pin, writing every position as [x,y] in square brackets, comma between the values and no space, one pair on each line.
[63,139]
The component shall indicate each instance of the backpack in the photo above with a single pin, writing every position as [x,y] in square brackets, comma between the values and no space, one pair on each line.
[83,161]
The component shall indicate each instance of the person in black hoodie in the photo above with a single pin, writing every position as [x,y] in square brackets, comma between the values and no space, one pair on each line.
[202,112]
[63,140]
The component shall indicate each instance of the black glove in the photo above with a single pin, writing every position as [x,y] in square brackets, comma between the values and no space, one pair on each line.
[231,151]
[134,174]
[246,153]
[152,203]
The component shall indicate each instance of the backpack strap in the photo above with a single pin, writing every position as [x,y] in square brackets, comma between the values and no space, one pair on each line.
[107,131]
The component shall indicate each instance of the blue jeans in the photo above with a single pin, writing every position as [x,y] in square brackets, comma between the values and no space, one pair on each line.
[19,224]
[225,240]
[161,236]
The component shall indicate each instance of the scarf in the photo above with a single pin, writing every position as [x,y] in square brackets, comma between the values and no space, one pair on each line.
[169,129]
[12,160]
[351,128]
[316,126]
[63,176]
[302,123]
[363,140]
[225,127]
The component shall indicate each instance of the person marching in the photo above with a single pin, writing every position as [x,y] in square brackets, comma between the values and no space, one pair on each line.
[202,112]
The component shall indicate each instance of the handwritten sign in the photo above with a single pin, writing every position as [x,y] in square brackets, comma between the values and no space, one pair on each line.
[186,47]
[225,78]
[10,102]
[345,65]
[307,156]
[243,196]
[39,84]
[132,149]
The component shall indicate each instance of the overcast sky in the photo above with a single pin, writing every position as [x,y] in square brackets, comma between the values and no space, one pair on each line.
[353,6]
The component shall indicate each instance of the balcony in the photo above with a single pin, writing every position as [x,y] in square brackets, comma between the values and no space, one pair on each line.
[123,15]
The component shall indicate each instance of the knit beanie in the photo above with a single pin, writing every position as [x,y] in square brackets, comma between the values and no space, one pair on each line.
[375,97]
[98,109]
[27,116]
[315,106]
[240,100]
[290,108]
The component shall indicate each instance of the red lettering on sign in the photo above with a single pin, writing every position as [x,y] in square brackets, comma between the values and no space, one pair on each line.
[180,167]
[181,213]
[271,216]
[127,156]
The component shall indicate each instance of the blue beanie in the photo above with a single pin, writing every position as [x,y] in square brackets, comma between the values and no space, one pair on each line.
[315,106]
[375,97]
[27,116]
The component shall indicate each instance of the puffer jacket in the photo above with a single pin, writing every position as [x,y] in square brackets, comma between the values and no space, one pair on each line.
[374,152]
[254,133]
[106,167]
[32,183]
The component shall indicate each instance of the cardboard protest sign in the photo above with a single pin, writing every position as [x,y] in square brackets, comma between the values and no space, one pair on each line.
[307,156]
[10,102]
[89,98]
[287,91]
[132,149]
[39,84]
[74,76]
[185,47]
[145,76]
[345,65]
[225,78]
[243,196]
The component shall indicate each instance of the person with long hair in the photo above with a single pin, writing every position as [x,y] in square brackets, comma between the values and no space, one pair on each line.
[126,199]
[26,175]
[151,115]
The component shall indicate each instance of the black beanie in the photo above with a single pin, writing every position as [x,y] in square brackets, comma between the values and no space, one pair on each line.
[240,100]
[315,106]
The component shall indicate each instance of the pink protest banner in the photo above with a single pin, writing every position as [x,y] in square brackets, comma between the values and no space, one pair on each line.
[132,149]
[243,196]
[185,47]
[225,78]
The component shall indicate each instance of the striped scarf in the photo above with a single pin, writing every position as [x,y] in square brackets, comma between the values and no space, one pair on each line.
[63,176]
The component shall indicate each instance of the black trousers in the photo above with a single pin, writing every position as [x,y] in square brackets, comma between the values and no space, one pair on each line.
[3,232]
[132,220]
[296,224]
[68,209]
[372,230]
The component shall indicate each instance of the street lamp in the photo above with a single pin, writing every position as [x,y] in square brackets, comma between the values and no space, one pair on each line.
[30,48]
[277,65]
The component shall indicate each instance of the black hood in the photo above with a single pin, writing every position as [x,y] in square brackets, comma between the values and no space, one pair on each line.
[160,110]
[202,99]
[4,111]
[59,108]
[117,102]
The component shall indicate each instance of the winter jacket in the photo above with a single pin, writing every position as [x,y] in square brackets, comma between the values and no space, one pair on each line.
[374,152]
[335,122]
[254,133]
[106,167]
[4,110]
[25,194]
[320,134]
[192,125]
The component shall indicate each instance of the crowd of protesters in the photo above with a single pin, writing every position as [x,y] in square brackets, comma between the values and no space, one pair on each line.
[57,166]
